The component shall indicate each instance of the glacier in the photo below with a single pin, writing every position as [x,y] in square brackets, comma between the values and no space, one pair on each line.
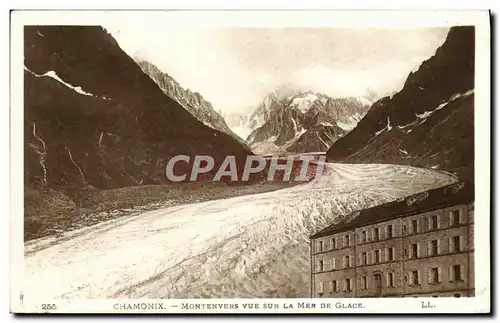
[248,246]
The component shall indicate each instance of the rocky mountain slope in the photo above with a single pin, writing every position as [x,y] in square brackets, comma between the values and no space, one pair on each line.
[430,122]
[92,118]
[193,102]
[305,122]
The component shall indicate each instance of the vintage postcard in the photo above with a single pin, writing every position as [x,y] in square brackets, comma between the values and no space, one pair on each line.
[250,162]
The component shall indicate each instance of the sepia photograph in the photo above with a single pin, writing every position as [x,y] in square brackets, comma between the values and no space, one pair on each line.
[250,162]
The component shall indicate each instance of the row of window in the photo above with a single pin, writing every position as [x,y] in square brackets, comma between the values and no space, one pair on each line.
[456,244]
[433,277]
[389,233]
[431,223]
[330,263]
[347,285]
[335,286]
[455,274]
[334,244]
[377,256]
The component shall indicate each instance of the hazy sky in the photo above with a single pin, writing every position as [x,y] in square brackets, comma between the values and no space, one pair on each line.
[234,68]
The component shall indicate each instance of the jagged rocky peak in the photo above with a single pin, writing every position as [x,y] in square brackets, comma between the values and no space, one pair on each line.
[193,102]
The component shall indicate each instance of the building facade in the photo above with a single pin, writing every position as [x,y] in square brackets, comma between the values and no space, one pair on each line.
[401,249]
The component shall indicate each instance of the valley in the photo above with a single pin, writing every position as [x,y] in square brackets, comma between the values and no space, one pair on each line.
[102,219]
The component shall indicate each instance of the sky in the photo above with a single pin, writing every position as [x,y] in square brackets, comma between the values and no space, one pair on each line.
[235,68]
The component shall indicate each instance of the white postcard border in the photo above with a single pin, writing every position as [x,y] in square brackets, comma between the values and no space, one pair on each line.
[363,19]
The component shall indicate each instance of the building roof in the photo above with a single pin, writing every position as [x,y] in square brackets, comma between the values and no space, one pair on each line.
[454,194]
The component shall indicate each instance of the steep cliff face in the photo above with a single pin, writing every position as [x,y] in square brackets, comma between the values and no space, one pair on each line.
[92,118]
[430,122]
[305,122]
[193,102]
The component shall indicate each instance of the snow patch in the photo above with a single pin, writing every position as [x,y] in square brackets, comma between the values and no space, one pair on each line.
[423,116]
[454,97]
[294,125]
[461,95]
[303,104]
[300,133]
[387,128]
[53,75]
[351,122]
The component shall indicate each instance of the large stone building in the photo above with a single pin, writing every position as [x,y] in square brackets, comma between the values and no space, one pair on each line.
[421,245]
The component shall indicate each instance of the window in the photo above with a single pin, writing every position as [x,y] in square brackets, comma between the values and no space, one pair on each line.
[434,222]
[376,234]
[414,278]
[334,243]
[363,258]
[434,275]
[321,286]
[320,247]
[390,254]
[333,263]
[404,228]
[348,286]
[433,248]
[414,250]
[456,273]
[390,280]
[347,240]
[406,252]
[389,231]
[377,284]
[321,265]
[333,286]
[363,237]
[346,261]
[414,226]
[455,217]
[364,282]
[455,244]
[377,256]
